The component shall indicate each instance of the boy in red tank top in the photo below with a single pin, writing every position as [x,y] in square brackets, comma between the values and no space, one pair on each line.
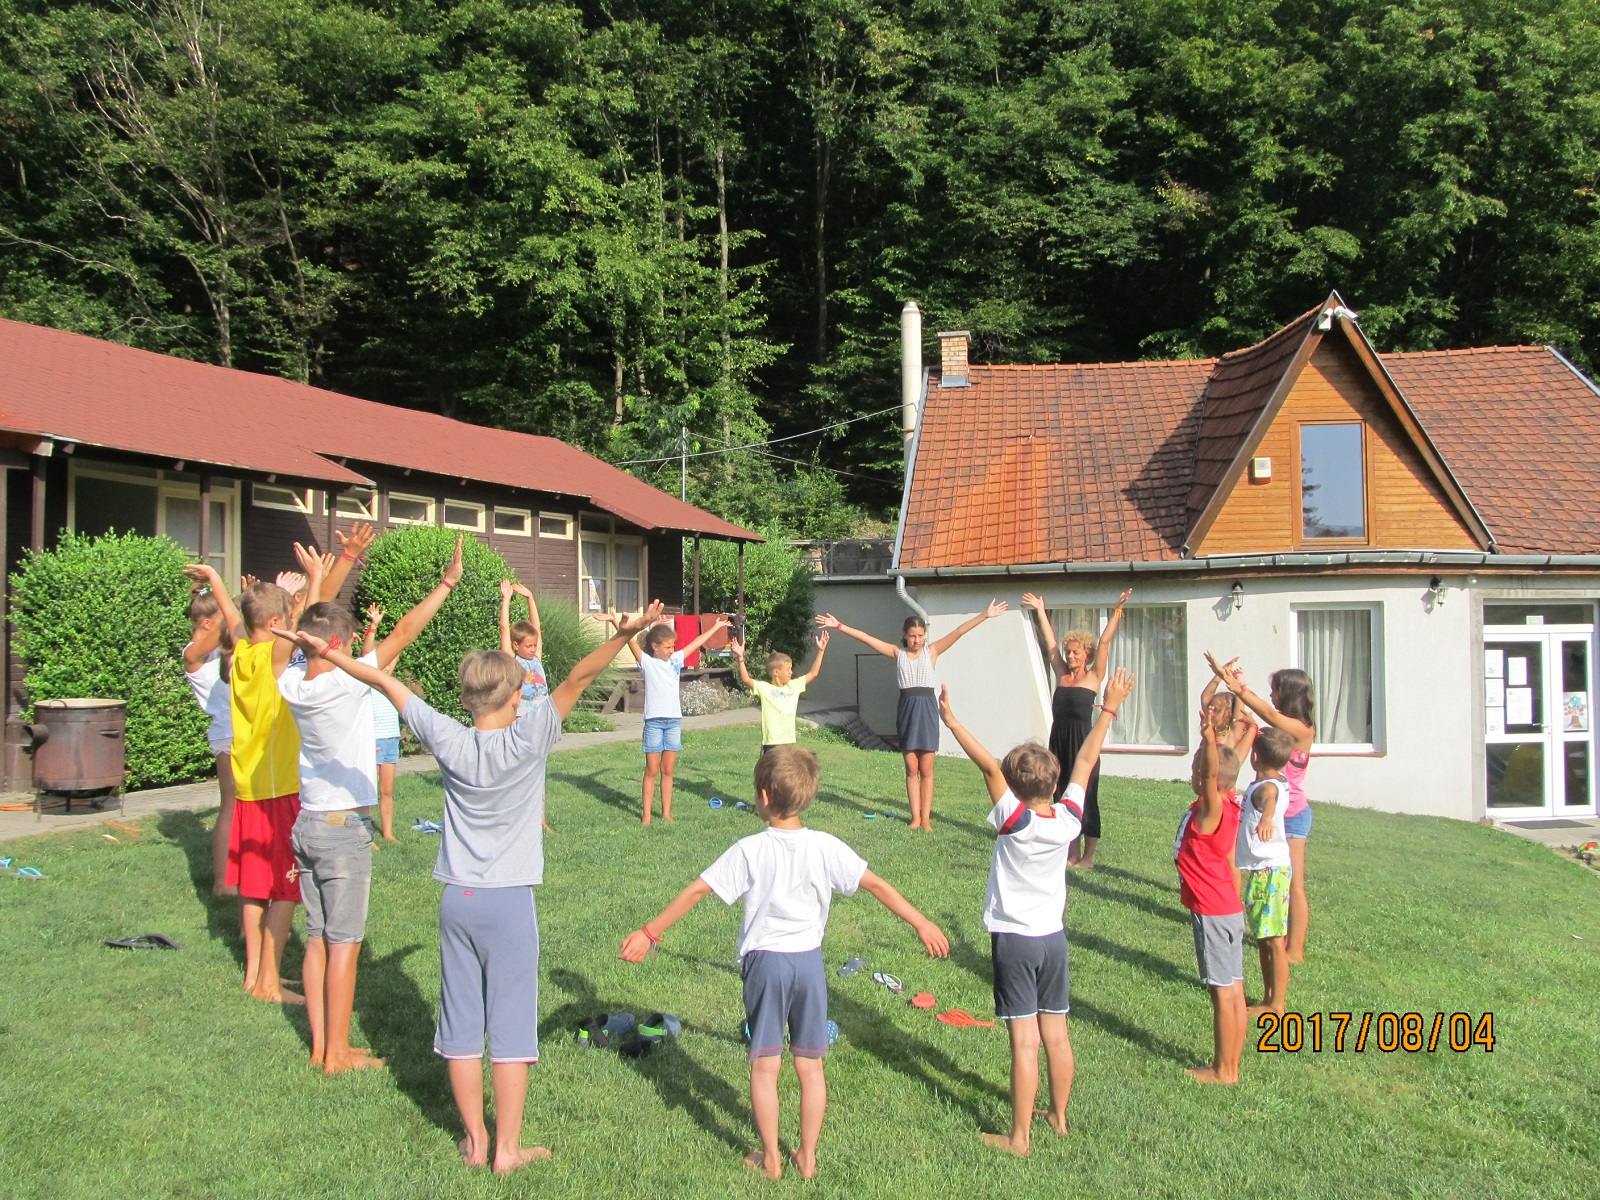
[1204,854]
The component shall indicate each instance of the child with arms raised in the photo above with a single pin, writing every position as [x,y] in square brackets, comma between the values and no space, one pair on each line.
[332,838]
[491,857]
[780,699]
[1024,906]
[207,664]
[523,641]
[660,663]
[385,731]
[1262,855]
[786,877]
[1204,856]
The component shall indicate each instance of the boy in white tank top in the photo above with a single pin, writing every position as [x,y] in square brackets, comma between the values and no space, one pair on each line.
[1262,856]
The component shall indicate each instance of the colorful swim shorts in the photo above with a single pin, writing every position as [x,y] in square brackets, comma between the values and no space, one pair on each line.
[1266,902]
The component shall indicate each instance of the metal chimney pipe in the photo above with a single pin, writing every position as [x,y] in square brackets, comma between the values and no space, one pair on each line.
[910,373]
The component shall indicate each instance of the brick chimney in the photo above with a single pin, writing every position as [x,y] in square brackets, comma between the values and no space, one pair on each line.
[953,359]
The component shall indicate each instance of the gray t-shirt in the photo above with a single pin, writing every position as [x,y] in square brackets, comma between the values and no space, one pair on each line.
[493,794]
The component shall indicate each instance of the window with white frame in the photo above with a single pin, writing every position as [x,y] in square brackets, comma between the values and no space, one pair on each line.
[410,510]
[1339,648]
[299,500]
[1151,643]
[358,503]
[102,497]
[516,521]
[612,568]
[463,514]
[555,525]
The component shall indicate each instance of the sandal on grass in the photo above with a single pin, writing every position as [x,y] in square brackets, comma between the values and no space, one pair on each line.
[892,982]
[144,941]
[962,1019]
[851,966]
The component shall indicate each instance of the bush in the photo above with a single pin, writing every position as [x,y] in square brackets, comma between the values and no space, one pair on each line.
[106,617]
[403,566]
[701,696]
[778,591]
[581,720]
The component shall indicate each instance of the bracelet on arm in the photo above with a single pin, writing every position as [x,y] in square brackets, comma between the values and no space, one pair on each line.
[348,557]
[654,940]
[446,584]
[1110,712]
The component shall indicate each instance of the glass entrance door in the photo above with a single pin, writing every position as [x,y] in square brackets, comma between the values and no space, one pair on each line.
[1537,724]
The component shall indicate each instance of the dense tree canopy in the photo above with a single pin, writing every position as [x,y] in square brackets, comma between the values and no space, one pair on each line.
[611,221]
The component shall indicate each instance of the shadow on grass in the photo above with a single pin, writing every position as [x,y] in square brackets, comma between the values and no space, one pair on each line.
[1113,895]
[1164,885]
[1083,1010]
[590,785]
[1143,960]
[855,800]
[189,831]
[397,1018]
[708,1100]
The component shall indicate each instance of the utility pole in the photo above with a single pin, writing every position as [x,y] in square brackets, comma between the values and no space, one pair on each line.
[683,463]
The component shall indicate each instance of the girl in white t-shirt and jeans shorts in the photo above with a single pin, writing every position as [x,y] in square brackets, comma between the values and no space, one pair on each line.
[660,663]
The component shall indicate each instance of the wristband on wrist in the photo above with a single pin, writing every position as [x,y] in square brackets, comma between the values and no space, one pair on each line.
[348,557]
[447,584]
[1110,712]
[654,940]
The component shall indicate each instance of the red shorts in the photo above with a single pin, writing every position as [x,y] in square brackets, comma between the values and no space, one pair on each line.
[260,861]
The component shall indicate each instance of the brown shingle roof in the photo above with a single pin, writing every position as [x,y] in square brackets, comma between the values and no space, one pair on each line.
[1103,462]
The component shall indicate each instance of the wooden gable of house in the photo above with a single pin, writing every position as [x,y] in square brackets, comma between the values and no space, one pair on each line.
[1411,502]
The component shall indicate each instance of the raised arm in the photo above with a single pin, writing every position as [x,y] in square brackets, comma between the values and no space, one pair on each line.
[829,621]
[369,641]
[719,624]
[533,613]
[1231,675]
[1058,665]
[996,607]
[597,660]
[232,622]
[612,618]
[1210,814]
[505,616]
[932,936]
[1102,652]
[352,549]
[816,663]
[638,943]
[397,692]
[1118,689]
[409,626]
[736,648]
[315,568]
[975,750]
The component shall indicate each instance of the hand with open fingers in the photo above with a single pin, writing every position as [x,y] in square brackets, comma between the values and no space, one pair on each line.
[308,642]
[247,581]
[996,607]
[934,939]
[636,946]
[822,640]
[1228,672]
[722,622]
[505,589]
[521,589]
[308,559]
[610,618]
[736,647]
[651,616]
[1032,601]
[1125,597]
[452,573]
[291,581]
[327,561]
[374,614]
[829,621]
[1119,687]
[355,543]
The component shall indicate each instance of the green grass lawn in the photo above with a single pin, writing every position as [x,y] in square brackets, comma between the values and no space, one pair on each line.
[149,1074]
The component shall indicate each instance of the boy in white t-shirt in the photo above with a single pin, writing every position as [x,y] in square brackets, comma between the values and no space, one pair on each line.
[332,836]
[660,664]
[780,699]
[1024,907]
[786,876]
[1261,853]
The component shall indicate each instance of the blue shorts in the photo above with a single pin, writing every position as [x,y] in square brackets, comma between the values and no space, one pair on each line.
[1299,825]
[786,989]
[663,734]
[489,974]
[388,750]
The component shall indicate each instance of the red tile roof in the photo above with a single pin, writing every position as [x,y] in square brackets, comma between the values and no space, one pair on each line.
[1104,462]
[83,390]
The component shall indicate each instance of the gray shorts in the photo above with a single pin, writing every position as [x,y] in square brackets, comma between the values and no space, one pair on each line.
[786,989]
[1030,974]
[335,865]
[1219,948]
[489,960]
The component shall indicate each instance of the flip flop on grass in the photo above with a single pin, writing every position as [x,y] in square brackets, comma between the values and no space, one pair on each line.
[962,1019]
[144,941]
[851,966]
[892,982]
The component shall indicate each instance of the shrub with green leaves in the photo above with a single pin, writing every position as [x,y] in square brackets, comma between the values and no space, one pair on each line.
[403,566]
[106,617]
[779,591]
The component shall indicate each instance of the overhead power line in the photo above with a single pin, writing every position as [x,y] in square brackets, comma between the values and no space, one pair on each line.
[666,458]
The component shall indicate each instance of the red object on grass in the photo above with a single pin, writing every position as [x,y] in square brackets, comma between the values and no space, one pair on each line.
[922,1000]
[961,1018]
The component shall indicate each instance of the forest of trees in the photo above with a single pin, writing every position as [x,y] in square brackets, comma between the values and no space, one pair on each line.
[608,221]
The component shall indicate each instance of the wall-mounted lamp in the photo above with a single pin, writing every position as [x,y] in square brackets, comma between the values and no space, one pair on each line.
[1436,590]
[1237,592]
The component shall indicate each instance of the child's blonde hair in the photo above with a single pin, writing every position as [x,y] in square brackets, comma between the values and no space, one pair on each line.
[488,677]
[779,659]
[1227,766]
[260,602]
[788,775]
[1031,772]
[523,630]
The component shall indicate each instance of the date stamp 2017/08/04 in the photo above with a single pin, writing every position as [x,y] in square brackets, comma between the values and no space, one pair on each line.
[1293,1032]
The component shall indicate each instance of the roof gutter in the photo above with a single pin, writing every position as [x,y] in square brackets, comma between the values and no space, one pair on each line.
[1230,563]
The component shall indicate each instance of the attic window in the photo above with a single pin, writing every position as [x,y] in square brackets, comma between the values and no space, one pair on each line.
[1333,494]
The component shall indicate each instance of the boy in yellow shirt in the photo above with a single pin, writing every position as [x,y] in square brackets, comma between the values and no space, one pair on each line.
[780,699]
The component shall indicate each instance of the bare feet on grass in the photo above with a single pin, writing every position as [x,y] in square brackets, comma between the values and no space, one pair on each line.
[353,1060]
[504,1165]
[756,1160]
[807,1166]
[1209,1074]
[1004,1141]
[277,995]
[1058,1124]
[474,1151]
[1255,1010]
[389,837]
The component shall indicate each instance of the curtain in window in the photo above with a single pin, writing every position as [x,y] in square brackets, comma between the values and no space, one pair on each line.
[1152,644]
[1336,651]
[597,576]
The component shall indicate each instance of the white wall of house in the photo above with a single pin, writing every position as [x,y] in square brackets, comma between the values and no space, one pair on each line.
[1427,752]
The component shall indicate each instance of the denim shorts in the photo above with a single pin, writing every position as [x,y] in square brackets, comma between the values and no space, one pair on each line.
[1299,825]
[388,750]
[663,734]
[333,851]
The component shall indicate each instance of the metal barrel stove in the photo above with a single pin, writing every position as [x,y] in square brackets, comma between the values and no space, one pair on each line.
[79,748]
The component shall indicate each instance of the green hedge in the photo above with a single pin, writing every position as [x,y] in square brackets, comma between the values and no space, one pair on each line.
[106,617]
[779,591]
[403,566]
